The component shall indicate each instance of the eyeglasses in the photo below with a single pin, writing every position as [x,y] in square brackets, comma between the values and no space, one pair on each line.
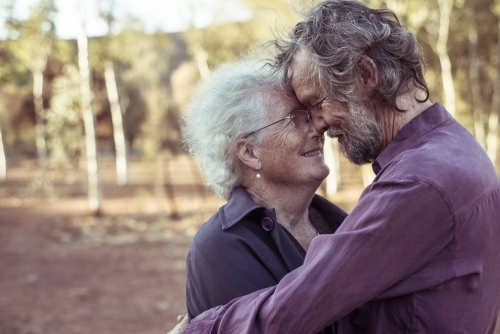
[298,118]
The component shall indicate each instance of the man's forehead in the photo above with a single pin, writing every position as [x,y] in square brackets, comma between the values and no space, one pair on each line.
[301,66]
[302,77]
[302,70]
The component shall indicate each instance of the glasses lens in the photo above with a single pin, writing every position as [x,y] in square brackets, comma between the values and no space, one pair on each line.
[300,119]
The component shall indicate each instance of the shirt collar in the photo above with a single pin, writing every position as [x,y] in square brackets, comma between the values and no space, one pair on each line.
[239,205]
[428,120]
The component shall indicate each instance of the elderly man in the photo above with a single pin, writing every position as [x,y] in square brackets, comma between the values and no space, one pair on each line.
[420,253]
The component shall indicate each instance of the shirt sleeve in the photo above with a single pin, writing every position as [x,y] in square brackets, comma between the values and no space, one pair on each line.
[396,228]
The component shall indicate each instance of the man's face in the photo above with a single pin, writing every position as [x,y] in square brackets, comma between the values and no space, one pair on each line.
[355,126]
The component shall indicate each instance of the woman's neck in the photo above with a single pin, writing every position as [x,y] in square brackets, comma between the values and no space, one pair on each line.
[291,206]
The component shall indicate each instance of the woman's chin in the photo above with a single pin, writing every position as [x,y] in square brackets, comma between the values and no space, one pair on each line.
[321,172]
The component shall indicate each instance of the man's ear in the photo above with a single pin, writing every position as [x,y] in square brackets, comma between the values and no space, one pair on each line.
[367,75]
[247,154]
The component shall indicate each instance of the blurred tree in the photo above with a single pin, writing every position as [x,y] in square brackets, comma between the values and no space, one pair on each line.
[106,8]
[492,140]
[32,47]
[442,23]
[148,66]
[94,189]
[474,69]
[12,69]
[218,43]
[64,122]
[3,161]
[274,18]
[412,13]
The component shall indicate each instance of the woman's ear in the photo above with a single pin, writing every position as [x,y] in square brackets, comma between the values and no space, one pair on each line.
[367,75]
[247,154]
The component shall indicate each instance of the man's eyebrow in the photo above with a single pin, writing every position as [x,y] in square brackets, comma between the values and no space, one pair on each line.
[308,98]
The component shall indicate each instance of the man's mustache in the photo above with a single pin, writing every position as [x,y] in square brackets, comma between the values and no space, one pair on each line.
[334,132]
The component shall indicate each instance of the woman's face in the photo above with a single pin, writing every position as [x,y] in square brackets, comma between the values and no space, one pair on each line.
[290,153]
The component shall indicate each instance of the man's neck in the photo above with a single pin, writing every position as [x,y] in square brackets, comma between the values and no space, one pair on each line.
[393,121]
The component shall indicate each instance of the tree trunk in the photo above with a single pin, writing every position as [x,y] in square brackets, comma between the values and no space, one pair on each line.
[94,190]
[474,77]
[492,140]
[162,188]
[3,160]
[116,117]
[41,146]
[201,61]
[445,7]
[368,174]
[331,153]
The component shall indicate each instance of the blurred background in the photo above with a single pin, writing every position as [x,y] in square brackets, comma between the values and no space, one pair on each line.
[98,201]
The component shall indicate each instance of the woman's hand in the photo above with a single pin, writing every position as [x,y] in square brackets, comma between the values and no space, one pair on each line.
[182,324]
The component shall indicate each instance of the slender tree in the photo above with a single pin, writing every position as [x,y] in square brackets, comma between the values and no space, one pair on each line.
[474,76]
[332,159]
[3,160]
[445,7]
[492,140]
[7,7]
[32,47]
[106,11]
[441,49]
[117,119]
[43,36]
[94,189]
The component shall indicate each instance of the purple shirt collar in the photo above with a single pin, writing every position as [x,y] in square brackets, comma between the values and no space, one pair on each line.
[429,119]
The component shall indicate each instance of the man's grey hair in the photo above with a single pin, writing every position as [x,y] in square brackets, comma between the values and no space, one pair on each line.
[339,34]
[228,105]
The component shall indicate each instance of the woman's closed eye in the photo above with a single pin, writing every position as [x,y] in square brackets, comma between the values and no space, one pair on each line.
[299,119]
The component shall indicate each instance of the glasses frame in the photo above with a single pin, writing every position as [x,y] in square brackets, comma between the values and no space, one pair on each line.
[289,116]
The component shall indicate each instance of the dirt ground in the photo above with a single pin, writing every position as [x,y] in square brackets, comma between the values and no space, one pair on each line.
[63,270]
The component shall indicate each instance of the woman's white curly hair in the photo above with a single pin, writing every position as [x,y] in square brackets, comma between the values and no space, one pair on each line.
[228,105]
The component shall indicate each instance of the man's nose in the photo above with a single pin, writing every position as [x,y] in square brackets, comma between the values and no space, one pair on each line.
[319,122]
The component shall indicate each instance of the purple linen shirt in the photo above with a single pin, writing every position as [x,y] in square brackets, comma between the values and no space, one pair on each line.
[420,253]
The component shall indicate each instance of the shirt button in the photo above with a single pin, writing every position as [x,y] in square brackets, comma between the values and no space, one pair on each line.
[267,224]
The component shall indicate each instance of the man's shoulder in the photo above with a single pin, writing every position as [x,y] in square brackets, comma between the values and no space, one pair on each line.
[456,167]
[437,157]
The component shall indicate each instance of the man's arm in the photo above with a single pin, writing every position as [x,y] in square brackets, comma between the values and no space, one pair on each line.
[390,234]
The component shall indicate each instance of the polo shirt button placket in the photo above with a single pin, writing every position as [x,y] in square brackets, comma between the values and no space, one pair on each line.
[267,224]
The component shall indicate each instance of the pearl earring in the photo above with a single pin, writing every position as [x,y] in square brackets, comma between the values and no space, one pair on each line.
[258,174]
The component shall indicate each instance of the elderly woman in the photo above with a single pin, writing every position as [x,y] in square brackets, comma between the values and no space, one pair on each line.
[258,149]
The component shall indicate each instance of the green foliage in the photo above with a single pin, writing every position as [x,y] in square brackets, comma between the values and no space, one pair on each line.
[32,38]
[64,121]
[144,62]
[222,42]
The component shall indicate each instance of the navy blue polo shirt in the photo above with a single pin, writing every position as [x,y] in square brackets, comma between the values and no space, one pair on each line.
[242,249]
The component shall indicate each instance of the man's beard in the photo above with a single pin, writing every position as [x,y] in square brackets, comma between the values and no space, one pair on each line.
[363,136]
